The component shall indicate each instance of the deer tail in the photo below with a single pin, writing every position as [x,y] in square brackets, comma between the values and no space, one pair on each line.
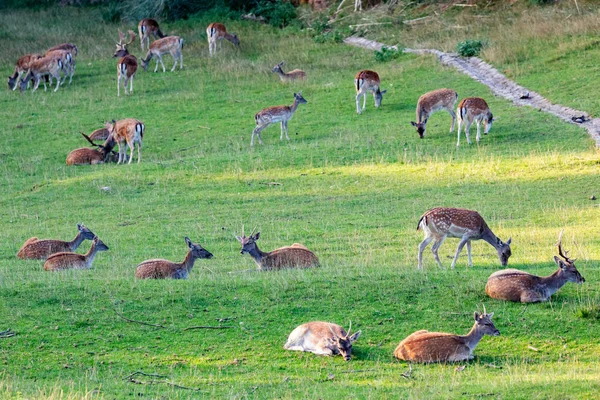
[423,218]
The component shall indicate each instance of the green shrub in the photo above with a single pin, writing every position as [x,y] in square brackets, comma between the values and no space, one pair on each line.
[386,54]
[469,48]
[278,13]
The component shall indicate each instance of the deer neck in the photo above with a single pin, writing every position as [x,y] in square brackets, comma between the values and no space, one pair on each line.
[281,74]
[553,282]
[473,337]
[257,255]
[228,36]
[89,256]
[188,262]
[294,106]
[489,237]
[14,75]
[75,243]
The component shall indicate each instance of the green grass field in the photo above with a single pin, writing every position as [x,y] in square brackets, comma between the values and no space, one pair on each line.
[350,187]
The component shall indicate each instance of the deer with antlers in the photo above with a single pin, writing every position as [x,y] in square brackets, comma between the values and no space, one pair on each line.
[170,44]
[127,132]
[147,27]
[216,32]
[69,260]
[272,115]
[364,82]
[22,66]
[40,249]
[163,269]
[42,67]
[296,74]
[99,154]
[430,102]
[127,64]
[520,286]
[322,338]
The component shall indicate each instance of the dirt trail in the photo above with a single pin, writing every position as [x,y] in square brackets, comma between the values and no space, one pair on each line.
[500,85]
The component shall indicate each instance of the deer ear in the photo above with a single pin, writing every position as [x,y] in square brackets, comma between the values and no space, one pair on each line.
[355,336]
[560,262]
[413,123]
[188,242]
[477,316]
[509,241]
[383,91]
[257,236]
[490,315]
[80,227]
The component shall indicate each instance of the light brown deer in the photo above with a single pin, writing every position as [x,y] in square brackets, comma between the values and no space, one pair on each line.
[67,260]
[439,223]
[67,63]
[163,269]
[70,47]
[45,66]
[441,99]
[40,249]
[473,109]
[99,154]
[99,134]
[170,44]
[217,32]
[127,65]
[296,74]
[127,133]
[294,256]
[367,81]
[428,347]
[272,115]
[21,68]
[520,286]
[322,338]
[147,27]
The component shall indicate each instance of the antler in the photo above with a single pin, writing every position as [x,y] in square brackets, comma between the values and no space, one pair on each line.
[349,329]
[331,329]
[252,233]
[121,37]
[131,37]
[484,310]
[561,252]
[90,140]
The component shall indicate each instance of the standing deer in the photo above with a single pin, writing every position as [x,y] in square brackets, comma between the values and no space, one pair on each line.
[129,131]
[473,109]
[66,58]
[294,256]
[67,260]
[296,74]
[271,115]
[364,82]
[40,249]
[127,65]
[101,153]
[45,66]
[428,347]
[170,44]
[441,99]
[70,47]
[147,27]
[217,32]
[21,67]
[520,286]
[322,338]
[162,269]
[439,223]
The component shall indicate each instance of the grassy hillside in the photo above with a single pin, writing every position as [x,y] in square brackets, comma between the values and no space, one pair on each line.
[349,187]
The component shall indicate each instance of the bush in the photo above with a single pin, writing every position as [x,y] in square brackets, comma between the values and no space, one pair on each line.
[469,48]
[386,54]
[278,13]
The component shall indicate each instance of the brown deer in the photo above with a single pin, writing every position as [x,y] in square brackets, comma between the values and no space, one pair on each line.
[99,134]
[217,32]
[40,249]
[441,99]
[67,63]
[147,27]
[22,67]
[45,66]
[162,269]
[127,65]
[473,109]
[296,74]
[439,223]
[169,44]
[127,133]
[428,347]
[322,338]
[367,81]
[68,260]
[271,115]
[101,153]
[520,286]
[294,256]
[70,47]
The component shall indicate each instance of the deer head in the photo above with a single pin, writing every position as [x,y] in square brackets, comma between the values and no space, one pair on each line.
[487,123]
[276,68]
[503,250]
[420,127]
[485,324]
[567,265]
[344,344]
[298,98]
[235,40]
[248,243]
[121,50]
[378,97]
[87,234]
[100,246]
[197,250]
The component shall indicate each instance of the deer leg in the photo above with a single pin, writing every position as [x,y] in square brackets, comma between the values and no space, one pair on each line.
[180,60]
[453,115]
[156,68]
[422,247]
[434,250]
[459,129]
[119,86]
[175,58]
[358,102]
[119,159]
[256,132]
[131,146]
[139,147]
[478,130]
[37,83]
[286,131]
[467,131]
[161,63]
[131,84]
[462,243]
[364,101]
[282,125]
[469,253]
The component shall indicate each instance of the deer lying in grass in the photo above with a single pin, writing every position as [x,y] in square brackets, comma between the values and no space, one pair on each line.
[40,249]
[147,27]
[43,67]
[172,45]
[439,223]
[127,133]
[296,74]
[127,64]
[67,260]
[322,338]
[21,68]
[272,115]
[294,256]
[162,269]
[101,153]
[428,347]
[217,32]
[441,99]
[473,109]
[520,286]
[364,82]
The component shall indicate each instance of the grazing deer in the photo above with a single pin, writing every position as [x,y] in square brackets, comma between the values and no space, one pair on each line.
[67,63]
[129,131]
[473,109]
[294,256]
[170,44]
[515,285]
[127,65]
[68,260]
[162,269]
[217,31]
[45,66]
[364,82]
[293,75]
[428,347]
[101,153]
[439,223]
[70,47]
[22,67]
[271,115]
[147,27]
[322,338]
[40,249]
[441,99]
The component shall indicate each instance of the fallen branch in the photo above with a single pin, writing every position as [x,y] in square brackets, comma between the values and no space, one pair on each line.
[374,23]
[7,333]
[165,382]
[137,322]
[128,377]
[208,327]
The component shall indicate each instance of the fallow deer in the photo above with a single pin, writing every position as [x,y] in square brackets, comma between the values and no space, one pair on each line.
[70,47]
[441,99]
[127,65]
[217,32]
[162,269]
[68,260]
[322,338]
[296,74]
[99,134]
[170,44]
[473,109]
[520,286]
[127,133]
[295,256]
[40,249]
[22,67]
[271,115]
[101,153]
[147,27]
[439,223]
[364,82]
[67,63]
[428,347]
[45,66]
